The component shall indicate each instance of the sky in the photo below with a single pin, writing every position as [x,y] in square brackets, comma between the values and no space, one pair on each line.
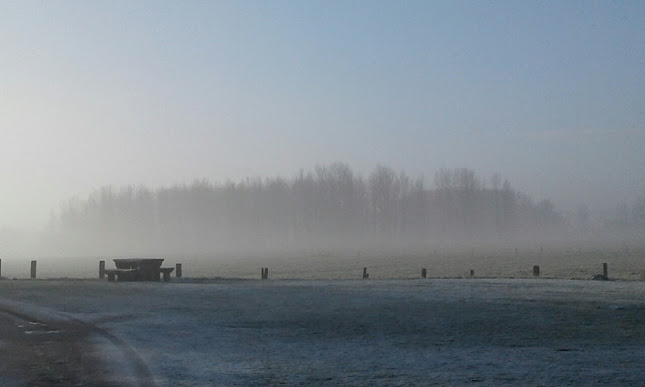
[550,94]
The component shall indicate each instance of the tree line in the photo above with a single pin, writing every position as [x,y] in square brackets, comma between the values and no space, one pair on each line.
[329,206]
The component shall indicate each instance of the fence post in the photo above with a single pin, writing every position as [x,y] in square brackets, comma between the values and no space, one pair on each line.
[101,269]
[33,269]
[472,272]
[604,270]
[536,270]
[366,275]
[423,272]
[178,270]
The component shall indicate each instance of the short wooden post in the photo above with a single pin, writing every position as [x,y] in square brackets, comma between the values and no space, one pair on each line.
[604,270]
[366,275]
[178,270]
[472,272]
[264,273]
[423,272]
[33,269]
[101,269]
[536,270]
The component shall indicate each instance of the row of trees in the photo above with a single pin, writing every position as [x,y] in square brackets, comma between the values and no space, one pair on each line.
[329,206]
[627,216]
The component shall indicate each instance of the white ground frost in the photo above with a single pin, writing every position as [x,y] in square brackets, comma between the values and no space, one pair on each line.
[385,332]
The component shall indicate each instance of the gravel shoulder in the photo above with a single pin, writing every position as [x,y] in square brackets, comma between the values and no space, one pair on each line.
[38,353]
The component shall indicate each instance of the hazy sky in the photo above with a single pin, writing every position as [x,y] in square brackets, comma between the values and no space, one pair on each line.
[549,94]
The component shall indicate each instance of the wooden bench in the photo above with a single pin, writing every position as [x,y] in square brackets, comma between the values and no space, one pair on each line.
[166,272]
[121,274]
[138,269]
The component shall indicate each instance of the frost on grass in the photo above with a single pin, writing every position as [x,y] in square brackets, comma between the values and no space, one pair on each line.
[368,332]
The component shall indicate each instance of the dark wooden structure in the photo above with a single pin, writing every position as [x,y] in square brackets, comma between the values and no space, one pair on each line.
[138,269]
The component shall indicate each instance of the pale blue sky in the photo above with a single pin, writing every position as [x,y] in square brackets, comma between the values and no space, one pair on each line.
[549,94]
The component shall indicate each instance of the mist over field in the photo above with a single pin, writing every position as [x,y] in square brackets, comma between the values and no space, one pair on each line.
[168,128]
[328,210]
[365,192]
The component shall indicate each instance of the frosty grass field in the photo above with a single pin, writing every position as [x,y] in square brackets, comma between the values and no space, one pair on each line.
[314,323]
[355,332]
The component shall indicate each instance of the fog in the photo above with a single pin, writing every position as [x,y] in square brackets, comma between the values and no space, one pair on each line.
[327,210]
[166,128]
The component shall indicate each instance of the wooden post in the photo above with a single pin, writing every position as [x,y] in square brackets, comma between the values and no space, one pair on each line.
[536,271]
[101,269]
[178,270]
[604,270]
[365,273]
[423,272]
[472,272]
[33,269]
[264,273]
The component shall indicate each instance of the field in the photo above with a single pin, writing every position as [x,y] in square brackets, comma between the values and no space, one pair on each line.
[561,262]
[330,332]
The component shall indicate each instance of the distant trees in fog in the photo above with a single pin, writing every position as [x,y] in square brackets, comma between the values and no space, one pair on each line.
[329,205]
[627,217]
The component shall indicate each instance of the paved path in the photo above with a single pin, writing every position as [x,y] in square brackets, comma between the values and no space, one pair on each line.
[37,349]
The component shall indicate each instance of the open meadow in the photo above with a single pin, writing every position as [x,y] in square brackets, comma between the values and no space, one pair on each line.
[561,262]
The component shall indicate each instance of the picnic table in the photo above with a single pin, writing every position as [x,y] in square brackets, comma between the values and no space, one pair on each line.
[139,269]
